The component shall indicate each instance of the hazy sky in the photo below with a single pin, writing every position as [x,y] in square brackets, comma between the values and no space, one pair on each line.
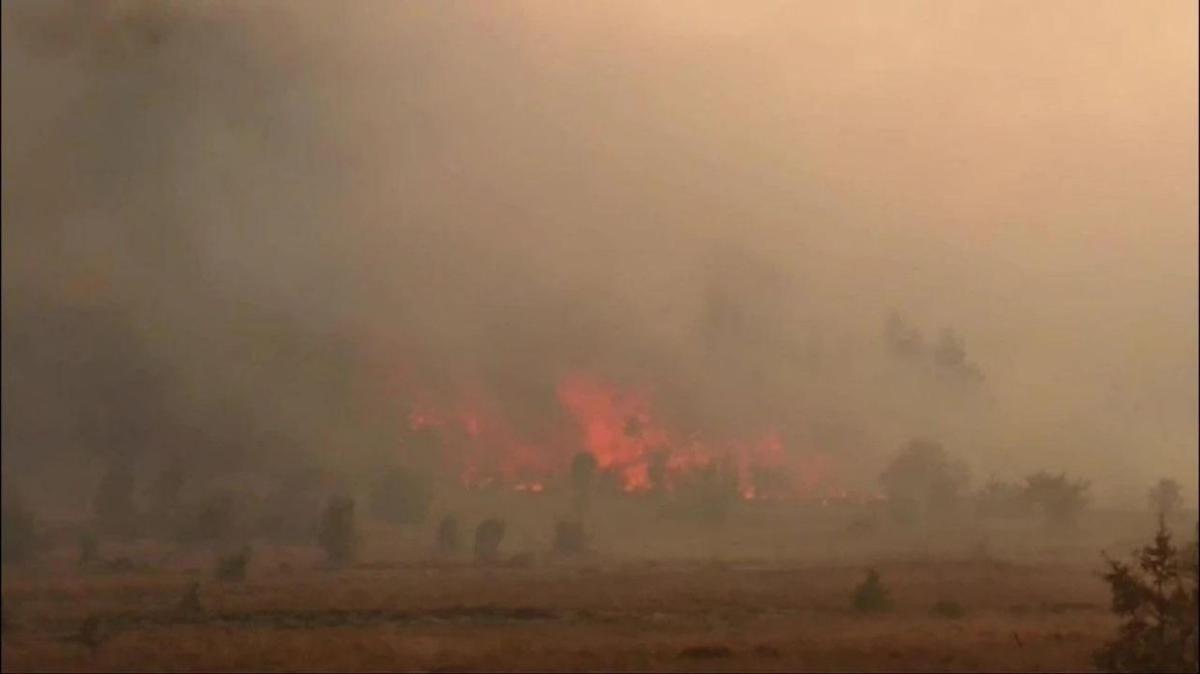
[504,191]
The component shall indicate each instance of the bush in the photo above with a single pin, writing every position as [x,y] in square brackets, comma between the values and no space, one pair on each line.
[871,596]
[1156,599]
[488,536]
[338,534]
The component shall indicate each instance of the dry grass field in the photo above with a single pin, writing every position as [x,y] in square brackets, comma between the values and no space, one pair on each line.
[634,616]
[642,608]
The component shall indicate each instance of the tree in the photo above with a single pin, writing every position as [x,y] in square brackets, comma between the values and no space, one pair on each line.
[1002,499]
[1059,499]
[922,479]
[1156,599]
[1166,497]
[951,357]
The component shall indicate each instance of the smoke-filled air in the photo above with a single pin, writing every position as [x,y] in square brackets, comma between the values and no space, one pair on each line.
[667,335]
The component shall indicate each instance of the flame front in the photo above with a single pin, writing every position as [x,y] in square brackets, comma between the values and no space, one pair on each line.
[633,446]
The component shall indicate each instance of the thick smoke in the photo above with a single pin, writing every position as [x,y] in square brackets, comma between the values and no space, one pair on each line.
[255,236]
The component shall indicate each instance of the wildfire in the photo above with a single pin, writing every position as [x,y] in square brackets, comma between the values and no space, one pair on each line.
[630,443]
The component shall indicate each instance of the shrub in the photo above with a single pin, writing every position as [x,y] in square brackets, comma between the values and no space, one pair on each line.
[871,596]
[1156,600]
[488,536]
[338,533]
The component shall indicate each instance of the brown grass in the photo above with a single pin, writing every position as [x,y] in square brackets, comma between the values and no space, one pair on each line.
[586,616]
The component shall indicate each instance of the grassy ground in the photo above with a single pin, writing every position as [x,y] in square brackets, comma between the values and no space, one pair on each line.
[770,589]
[725,616]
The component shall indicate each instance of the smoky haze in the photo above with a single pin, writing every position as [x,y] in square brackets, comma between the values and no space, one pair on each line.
[246,235]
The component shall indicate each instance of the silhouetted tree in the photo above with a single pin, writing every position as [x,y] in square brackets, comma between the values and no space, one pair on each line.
[951,357]
[923,480]
[1156,599]
[1002,499]
[1058,499]
[1166,497]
